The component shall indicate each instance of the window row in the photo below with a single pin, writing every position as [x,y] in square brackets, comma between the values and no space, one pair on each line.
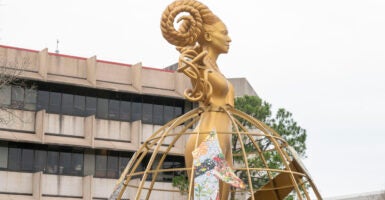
[77,162]
[25,158]
[104,108]
[86,102]
[18,97]
[170,162]
[110,164]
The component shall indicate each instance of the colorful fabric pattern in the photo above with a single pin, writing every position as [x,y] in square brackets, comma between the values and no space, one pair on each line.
[210,166]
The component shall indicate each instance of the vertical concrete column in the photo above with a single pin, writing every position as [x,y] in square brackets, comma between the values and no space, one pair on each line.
[89,162]
[37,185]
[136,133]
[91,70]
[43,63]
[40,125]
[89,130]
[136,76]
[87,187]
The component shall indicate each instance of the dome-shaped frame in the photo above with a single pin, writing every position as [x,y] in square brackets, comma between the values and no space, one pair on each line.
[262,158]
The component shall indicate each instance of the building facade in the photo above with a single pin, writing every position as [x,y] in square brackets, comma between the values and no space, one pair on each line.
[69,125]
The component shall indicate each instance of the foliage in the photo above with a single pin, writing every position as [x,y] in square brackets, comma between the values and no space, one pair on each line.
[282,122]
[254,106]
[289,130]
[181,182]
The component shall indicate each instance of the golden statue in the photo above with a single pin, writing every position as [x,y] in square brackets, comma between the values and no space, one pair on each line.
[200,38]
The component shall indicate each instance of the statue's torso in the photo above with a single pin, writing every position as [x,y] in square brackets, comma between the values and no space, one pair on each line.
[223,91]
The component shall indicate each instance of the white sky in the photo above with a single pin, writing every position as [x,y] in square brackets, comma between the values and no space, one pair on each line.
[322,60]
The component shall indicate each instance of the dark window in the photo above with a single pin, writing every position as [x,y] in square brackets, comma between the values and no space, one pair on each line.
[136,113]
[42,100]
[5,95]
[17,99]
[143,165]
[54,102]
[52,162]
[149,109]
[40,160]
[27,159]
[168,113]
[100,164]
[32,158]
[102,108]
[188,106]
[123,161]
[113,109]
[67,105]
[147,113]
[158,115]
[90,106]
[30,99]
[14,158]
[171,162]
[125,110]
[3,155]
[65,163]
[112,165]
[79,105]
[177,112]
[71,163]
[77,163]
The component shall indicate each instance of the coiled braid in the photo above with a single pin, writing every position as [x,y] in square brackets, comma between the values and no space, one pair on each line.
[191,27]
[192,61]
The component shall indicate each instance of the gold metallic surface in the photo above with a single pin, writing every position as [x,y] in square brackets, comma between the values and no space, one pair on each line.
[280,181]
[201,38]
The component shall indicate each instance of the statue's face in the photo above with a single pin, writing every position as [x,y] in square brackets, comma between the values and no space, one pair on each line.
[219,38]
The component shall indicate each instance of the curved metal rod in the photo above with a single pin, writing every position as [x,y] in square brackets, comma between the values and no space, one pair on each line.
[243,151]
[277,146]
[172,125]
[177,136]
[143,151]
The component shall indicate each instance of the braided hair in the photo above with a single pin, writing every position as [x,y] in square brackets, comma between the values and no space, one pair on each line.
[188,38]
[192,26]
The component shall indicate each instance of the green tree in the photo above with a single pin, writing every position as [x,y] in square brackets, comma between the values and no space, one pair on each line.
[282,122]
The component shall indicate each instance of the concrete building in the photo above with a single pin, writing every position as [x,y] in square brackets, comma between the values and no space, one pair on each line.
[241,85]
[71,124]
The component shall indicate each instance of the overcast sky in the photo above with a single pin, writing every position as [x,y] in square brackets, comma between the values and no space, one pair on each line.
[323,60]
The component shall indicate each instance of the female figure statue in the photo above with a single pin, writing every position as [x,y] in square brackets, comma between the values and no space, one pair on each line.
[201,38]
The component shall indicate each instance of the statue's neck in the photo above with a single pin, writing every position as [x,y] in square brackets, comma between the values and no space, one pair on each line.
[211,53]
[212,62]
